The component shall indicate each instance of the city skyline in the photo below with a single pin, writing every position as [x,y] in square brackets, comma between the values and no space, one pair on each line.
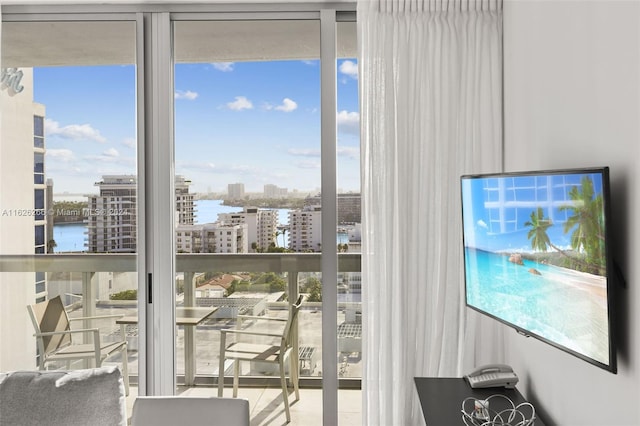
[90,136]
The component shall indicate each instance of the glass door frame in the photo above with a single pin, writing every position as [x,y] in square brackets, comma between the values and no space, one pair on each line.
[81,14]
[328,144]
[155,166]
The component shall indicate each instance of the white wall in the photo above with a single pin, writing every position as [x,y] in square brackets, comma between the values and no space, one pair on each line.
[572,99]
[17,289]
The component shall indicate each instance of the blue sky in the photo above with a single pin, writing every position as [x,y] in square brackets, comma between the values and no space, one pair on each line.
[494,219]
[252,122]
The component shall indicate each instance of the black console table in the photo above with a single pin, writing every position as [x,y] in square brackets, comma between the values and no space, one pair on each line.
[441,399]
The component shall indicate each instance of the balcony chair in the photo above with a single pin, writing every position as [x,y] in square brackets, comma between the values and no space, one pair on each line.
[55,342]
[276,353]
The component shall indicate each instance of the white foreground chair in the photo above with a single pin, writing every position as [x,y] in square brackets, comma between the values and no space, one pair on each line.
[187,410]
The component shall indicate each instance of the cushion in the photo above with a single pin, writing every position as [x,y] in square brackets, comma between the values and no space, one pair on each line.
[93,396]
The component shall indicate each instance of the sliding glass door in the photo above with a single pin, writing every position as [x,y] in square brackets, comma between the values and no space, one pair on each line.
[68,180]
[247,139]
[189,169]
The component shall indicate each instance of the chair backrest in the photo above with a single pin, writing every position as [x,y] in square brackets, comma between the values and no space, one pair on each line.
[290,326]
[49,316]
[194,411]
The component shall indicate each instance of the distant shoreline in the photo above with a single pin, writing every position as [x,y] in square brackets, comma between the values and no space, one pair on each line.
[592,283]
[554,258]
[63,223]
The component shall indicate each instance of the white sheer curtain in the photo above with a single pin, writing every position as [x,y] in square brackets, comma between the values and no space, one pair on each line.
[431,110]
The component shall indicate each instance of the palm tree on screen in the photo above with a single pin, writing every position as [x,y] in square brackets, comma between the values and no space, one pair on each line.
[538,232]
[586,221]
[540,240]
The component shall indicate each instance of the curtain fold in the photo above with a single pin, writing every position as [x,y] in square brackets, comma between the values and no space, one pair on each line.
[431,110]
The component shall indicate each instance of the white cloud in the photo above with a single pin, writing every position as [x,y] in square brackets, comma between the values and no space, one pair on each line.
[111,152]
[482,224]
[188,95]
[73,131]
[349,68]
[304,152]
[223,66]
[308,164]
[130,142]
[348,122]
[110,156]
[240,103]
[287,105]
[62,155]
[349,152]
[310,62]
[211,167]
[241,168]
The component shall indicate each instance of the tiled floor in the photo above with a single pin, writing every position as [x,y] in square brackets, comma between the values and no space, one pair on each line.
[267,407]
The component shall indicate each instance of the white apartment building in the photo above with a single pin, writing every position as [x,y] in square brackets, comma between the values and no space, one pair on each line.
[274,191]
[305,229]
[235,191]
[349,207]
[22,210]
[112,214]
[184,201]
[261,224]
[231,238]
[212,238]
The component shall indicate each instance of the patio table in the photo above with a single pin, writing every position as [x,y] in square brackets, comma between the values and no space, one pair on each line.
[189,317]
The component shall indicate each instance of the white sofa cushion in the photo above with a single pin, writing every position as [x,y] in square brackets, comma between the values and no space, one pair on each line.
[93,397]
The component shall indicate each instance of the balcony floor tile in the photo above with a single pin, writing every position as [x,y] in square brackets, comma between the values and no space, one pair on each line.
[267,407]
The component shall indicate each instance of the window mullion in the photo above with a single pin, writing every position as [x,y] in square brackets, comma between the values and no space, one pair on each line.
[158,281]
[329,263]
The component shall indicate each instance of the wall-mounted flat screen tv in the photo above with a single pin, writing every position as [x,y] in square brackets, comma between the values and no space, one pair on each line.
[537,255]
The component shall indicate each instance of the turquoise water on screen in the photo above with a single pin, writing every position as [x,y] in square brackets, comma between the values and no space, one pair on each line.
[563,306]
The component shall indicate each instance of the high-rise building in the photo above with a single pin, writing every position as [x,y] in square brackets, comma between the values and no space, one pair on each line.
[349,207]
[235,191]
[49,204]
[261,224]
[273,191]
[23,210]
[112,214]
[305,229]
[184,201]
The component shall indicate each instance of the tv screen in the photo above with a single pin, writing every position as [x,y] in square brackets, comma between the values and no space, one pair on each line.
[537,256]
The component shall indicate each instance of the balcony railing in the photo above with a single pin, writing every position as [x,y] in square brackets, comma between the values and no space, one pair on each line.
[191,267]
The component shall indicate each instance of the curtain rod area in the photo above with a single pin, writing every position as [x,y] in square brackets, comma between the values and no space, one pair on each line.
[344,8]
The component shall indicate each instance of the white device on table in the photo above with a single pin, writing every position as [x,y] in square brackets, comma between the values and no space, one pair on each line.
[492,376]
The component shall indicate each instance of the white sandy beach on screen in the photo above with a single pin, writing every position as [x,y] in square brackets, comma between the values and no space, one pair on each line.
[594,284]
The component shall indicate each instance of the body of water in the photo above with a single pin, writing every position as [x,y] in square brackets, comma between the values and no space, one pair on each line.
[207,211]
[562,305]
[71,236]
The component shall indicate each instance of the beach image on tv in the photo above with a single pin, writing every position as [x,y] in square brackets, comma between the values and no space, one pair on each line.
[535,256]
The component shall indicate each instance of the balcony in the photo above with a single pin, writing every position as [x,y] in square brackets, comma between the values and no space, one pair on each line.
[95,277]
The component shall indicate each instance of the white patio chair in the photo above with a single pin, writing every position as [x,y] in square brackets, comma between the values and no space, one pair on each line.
[55,338]
[276,353]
